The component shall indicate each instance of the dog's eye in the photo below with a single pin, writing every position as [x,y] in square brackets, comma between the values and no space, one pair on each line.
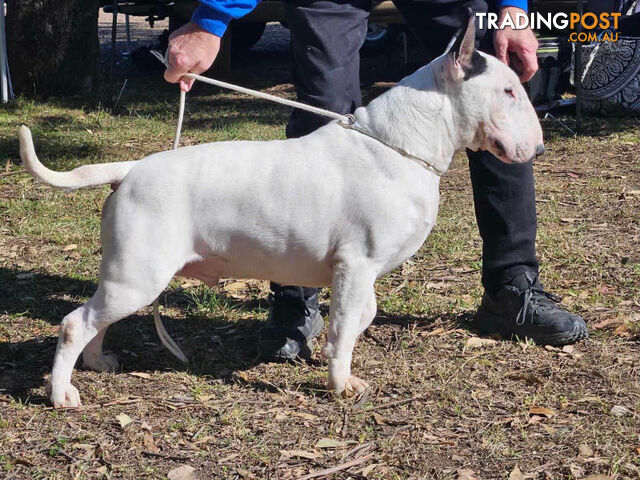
[509,91]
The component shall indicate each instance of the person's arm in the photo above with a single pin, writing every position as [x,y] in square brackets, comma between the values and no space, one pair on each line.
[522,43]
[214,16]
[194,46]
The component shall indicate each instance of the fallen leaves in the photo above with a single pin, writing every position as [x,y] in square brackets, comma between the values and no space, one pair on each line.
[149,443]
[516,474]
[288,454]
[330,443]
[542,411]
[478,342]
[467,474]
[584,450]
[183,472]
[620,411]
[379,419]
[124,420]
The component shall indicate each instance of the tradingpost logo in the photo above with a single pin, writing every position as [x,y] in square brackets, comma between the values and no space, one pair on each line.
[595,28]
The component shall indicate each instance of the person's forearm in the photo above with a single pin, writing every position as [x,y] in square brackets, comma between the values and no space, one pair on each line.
[214,15]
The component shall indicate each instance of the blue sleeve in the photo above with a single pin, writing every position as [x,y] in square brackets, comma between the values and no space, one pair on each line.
[514,3]
[214,15]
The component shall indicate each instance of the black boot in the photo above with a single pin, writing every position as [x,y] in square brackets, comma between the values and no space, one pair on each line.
[522,308]
[294,320]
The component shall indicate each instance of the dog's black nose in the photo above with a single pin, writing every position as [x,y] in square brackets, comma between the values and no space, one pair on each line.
[540,150]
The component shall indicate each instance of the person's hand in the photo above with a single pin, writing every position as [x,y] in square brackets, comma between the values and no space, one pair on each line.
[191,49]
[523,44]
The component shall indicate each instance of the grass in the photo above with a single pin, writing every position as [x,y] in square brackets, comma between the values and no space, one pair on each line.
[438,408]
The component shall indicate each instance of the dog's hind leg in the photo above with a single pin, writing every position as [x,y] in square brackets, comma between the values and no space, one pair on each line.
[115,299]
[353,307]
[93,358]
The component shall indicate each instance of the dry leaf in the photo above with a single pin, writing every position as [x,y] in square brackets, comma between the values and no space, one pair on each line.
[516,474]
[467,474]
[576,470]
[584,450]
[149,443]
[546,412]
[598,477]
[550,430]
[306,416]
[140,375]
[234,289]
[535,419]
[330,443]
[379,419]
[71,246]
[477,342]
[620,411]
[184,472]
[190,283]
[124,419]
[287,454]
[366,471]
[622,331]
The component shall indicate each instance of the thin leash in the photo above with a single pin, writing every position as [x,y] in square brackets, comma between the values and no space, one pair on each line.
[347,121]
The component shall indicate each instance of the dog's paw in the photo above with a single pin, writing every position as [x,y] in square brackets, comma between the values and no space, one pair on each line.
[102,363]
[354,386]
[64,398]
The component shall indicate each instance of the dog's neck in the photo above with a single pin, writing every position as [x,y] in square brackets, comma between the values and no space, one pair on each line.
[417,117]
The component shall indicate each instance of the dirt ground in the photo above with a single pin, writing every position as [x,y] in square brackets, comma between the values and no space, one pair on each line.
[444,403]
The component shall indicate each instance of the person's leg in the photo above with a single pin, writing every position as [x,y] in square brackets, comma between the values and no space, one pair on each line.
[504,198]
[326,37]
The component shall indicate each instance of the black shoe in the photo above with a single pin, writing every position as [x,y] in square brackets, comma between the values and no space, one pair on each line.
[522,308]
[292,325]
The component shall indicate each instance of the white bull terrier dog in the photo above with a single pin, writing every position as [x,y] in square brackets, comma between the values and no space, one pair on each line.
[339,207]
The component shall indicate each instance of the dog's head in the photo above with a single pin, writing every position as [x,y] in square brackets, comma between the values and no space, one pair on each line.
[489,101]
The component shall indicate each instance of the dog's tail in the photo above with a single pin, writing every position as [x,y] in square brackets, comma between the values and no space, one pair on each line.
[85,176]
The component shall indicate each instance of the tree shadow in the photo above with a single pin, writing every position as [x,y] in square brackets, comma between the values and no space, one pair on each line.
[215,346]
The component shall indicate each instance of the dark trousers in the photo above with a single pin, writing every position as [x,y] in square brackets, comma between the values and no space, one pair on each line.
[325,40]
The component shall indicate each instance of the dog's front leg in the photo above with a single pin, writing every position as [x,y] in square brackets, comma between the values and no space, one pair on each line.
[353,307]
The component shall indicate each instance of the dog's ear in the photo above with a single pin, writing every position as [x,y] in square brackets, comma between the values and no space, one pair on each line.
[463,58]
